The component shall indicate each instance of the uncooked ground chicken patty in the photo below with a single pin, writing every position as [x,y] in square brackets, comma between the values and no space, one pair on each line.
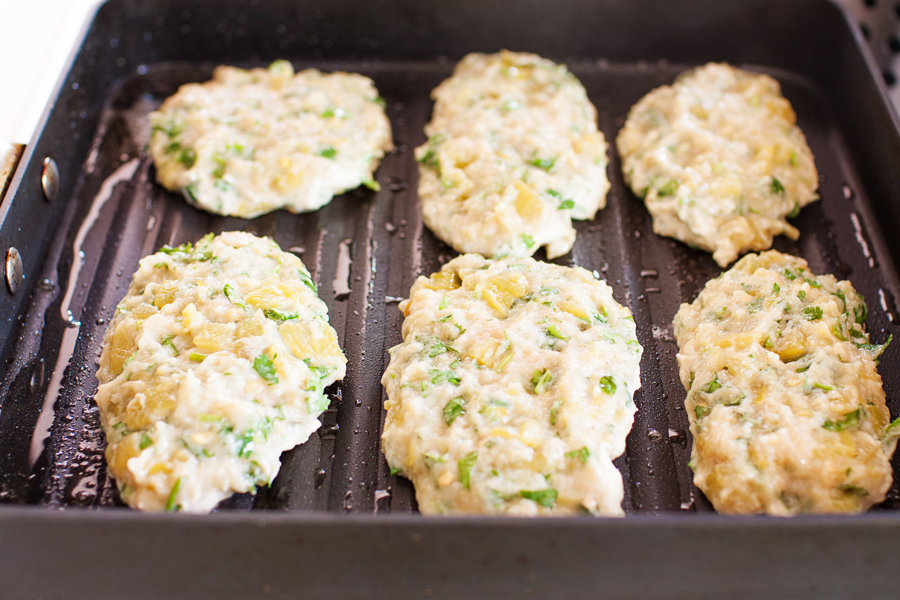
[513,156]
[719,160]
[787,410]
[252,141]
[214,364]
[512,391]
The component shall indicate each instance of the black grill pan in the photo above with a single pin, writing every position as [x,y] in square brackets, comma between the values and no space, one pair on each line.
[335,523]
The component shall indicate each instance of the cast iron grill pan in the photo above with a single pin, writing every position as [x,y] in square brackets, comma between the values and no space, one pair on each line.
[98,130]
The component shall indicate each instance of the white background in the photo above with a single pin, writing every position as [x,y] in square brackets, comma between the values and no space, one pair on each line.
[36,39]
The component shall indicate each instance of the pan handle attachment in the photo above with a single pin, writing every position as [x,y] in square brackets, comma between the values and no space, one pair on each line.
[10,154]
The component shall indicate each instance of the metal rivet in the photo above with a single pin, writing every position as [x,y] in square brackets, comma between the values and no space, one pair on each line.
[50,179]
[15,274]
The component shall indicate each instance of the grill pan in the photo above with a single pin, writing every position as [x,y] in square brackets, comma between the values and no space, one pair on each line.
[334,522]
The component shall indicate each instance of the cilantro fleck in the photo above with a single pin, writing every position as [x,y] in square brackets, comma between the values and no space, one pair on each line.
[266,368]
[196,356]
[527,240]
[813,313]
[395,471]
[221,165]
[608,384]
[876,349]
[328,152]
[278,315]
[466,464]
[713,385]
[546,498]
[454,409]
[581,454]
[850,421]
[543,163]
[187,157]
[668,189]
[701,411]
[171,506]
[555,332]
[777,188]
[307,281]
[853,489]
[794,211]
[168,343]
[541,379]
[233,296]
[145,440]
[318,402]
[554,411]
[441,376]
[567,205]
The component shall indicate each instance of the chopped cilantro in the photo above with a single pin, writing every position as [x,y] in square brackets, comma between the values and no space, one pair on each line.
[541,379]
[794,211]
[168,343]
[546,498]
[567,205]
[527,240]
[441,376]
[145,440]
[853,489]
[850,421]
[196,356]
[232,296]
[278,315]
[777,188]
[318,402]
[713,385]
[543,163]
[266,368]
[221,165]
[813,313]
[668,189]
[307,281]
[876,349]
[466,464]
[173,495]
[328,152]
[187,157]
[430,157]
[454,409]
[554,411]
[776,288]
[395,471]
[701,411]
[581,454]
[555,332]
[608,384]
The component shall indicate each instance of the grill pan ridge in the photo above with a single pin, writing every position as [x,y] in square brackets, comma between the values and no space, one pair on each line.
[334,509]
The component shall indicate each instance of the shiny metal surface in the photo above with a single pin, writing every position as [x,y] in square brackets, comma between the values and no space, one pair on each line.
[50,179]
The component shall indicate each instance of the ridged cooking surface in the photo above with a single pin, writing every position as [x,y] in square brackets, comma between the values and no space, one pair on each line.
[341,469]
